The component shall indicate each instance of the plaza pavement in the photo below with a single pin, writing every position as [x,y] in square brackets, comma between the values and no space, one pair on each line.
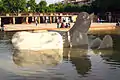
[53,26]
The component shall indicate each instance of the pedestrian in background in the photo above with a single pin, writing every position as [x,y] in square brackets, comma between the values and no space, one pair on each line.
[36,21]
[58,23]
[2,26]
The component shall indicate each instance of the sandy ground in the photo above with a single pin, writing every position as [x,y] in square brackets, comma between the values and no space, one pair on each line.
[14,27]
[53,26]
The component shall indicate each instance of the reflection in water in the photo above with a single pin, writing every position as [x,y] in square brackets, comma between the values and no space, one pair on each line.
[111,57]
[44,65]
[3,36]
[43,58]
[6,35]
[116,40]
[79,59]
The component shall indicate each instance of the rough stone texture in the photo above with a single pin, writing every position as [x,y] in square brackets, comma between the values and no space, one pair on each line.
[65,37]
[41,59]
[78,33]
[37,41]
[79,39]
[82,23]
[95,43]
[66,40]
[75,37]
[107,42]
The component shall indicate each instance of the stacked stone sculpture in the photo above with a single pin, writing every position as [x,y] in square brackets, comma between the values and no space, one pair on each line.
[75,37]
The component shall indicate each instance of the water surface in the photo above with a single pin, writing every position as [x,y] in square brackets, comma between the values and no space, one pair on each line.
[74,64]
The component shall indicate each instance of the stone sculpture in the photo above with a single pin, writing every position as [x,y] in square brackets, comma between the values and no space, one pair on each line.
[76,36]
[78,33]
[82,23]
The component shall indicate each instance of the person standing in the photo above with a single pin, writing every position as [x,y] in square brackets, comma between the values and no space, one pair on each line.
[118,23]
[47,19]
[36,21]
[58,23]
[69,22]
[109,16]
[2,26]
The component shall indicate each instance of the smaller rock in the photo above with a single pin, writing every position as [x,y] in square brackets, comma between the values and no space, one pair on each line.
[96,43]
[106,43]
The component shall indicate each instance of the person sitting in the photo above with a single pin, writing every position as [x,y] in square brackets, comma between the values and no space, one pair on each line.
[62,25]
[66,26]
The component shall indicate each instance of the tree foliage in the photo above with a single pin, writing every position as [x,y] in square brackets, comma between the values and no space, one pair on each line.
[52,8]
[32,5]
[105,5]
[42,6]
[14,6]
[97,6]
[1,7]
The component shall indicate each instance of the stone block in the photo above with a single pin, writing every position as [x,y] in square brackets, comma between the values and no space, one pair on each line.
[37,41]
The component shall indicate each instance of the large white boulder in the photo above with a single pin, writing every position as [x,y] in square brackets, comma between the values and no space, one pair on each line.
[107,42]
[37,41]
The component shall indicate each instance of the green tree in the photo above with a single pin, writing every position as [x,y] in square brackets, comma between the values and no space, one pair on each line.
[42,6]
[32,5]
[1,7]
[14,6]
[105,5]
[60,7]
[52,8]
[86,8]
[68,8]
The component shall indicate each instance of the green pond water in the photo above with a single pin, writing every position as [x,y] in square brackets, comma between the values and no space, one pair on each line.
[75,64]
